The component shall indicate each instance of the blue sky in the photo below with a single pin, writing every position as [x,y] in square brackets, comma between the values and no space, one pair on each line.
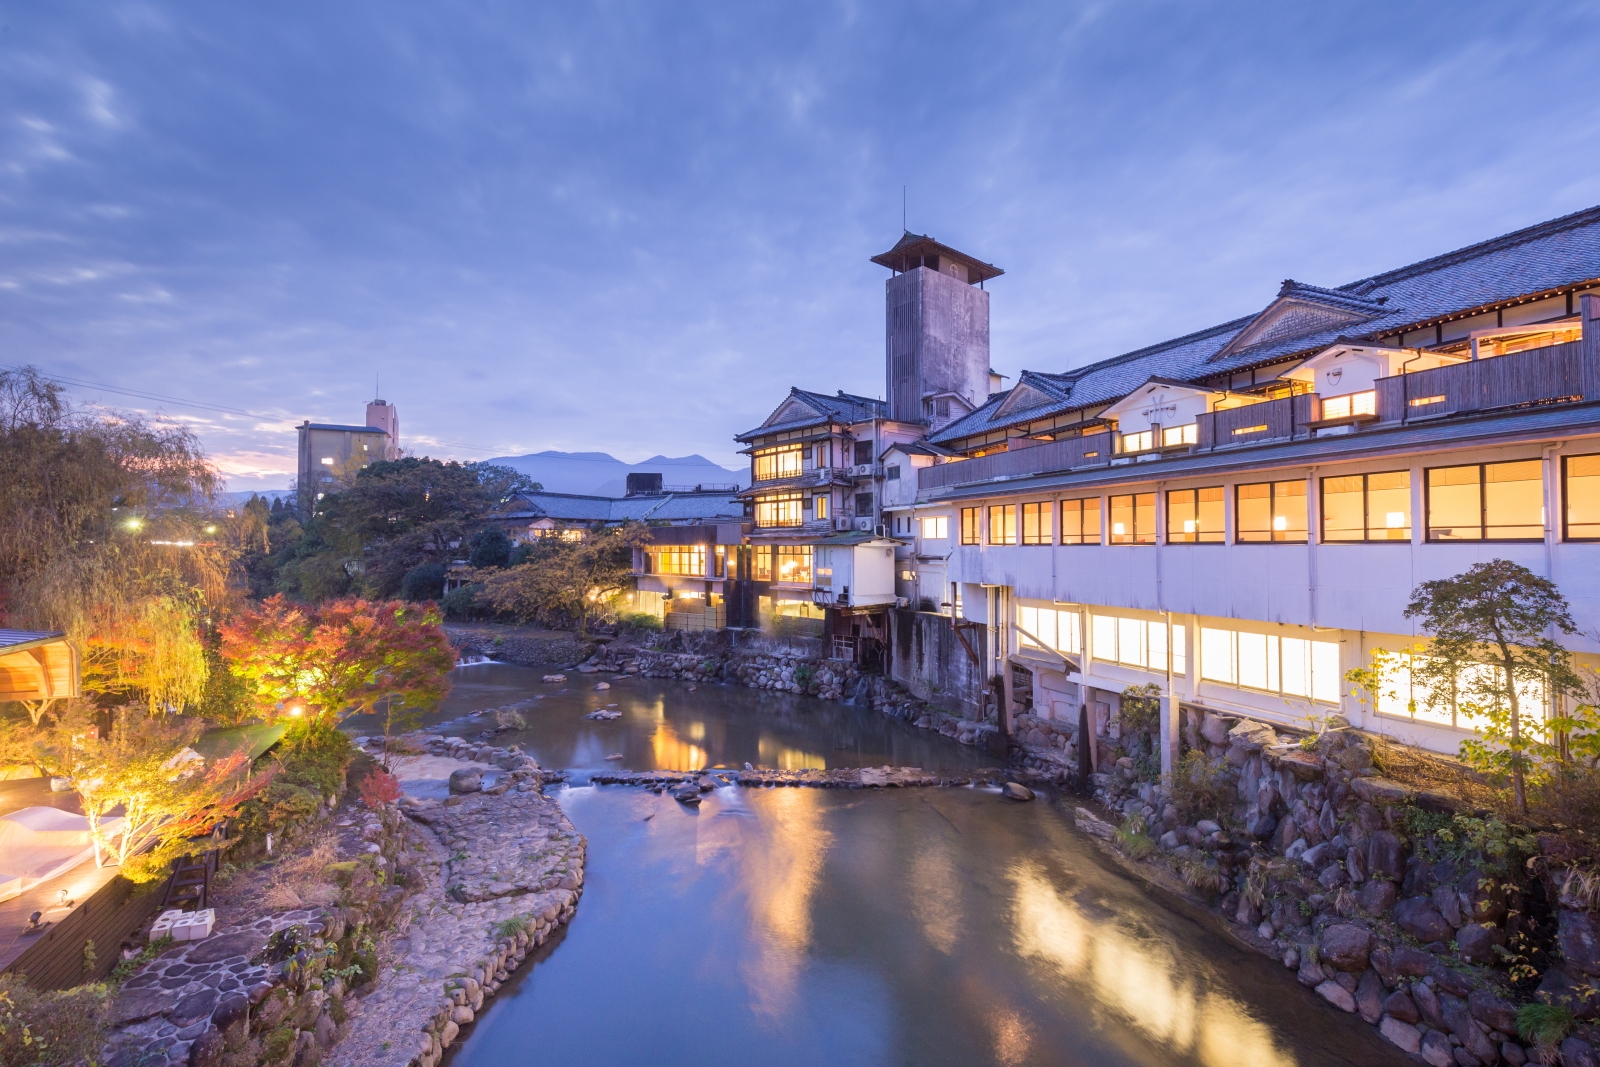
[630,227]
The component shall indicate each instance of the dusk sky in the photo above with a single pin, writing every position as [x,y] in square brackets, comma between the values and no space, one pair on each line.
[631,227]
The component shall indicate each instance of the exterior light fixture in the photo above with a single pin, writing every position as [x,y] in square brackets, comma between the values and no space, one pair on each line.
[297,711]
[133,524]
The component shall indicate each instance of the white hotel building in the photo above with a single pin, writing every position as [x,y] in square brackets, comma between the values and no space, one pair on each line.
[1240,515]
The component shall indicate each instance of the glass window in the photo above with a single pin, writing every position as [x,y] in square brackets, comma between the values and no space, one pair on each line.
[1038,524]
[793,563]
[1133,519]
[1002,524]
[1080,521]
[763,563]
[1138,442]
[1194,516]
[1288,666]
[1173,436]
[780,510]
[1486,502]
[687,560]
[1270,511]
[1343,407]
[820,507]
[1136,642]
[1581,478]
[782,462]
[969,526]
[1367,507]
[935,528]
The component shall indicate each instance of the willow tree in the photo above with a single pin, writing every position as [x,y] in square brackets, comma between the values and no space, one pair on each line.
[1494,657]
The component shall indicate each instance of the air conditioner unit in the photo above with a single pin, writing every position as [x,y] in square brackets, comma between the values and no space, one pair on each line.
[880,530]
[841,524]
[864,525]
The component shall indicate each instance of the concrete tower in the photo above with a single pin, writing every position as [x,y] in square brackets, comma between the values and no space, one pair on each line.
[937,320]
[386,417]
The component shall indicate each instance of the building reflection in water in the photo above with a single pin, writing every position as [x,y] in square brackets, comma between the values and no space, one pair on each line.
[776,754]
[672,752]
[1142,981]
[782,866]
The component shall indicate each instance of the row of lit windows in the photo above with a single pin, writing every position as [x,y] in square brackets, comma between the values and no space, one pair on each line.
[1476,502]
[1402,694]
[783,563]
[1285,666]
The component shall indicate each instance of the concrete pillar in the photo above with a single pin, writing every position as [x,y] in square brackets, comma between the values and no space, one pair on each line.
[1171,732]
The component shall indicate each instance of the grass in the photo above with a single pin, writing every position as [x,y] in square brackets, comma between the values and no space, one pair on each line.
[1544,1024]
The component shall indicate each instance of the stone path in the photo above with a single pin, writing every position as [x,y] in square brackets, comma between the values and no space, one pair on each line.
[499,873]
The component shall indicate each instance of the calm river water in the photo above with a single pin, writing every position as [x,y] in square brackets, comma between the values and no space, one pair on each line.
[808,926]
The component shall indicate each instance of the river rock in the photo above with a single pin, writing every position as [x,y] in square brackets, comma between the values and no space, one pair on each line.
[466,780]
[1436,1051]
[1428,1005]
[1399,1005]
[688,794]
[1345,947]
[1575,1052]
[1495,1012]
[1337,995]
[602,686]
[1376,897]
[1400,1033]
[1460,1022]
[555,677]
[1369,996]
[1015,791]
[1418,917]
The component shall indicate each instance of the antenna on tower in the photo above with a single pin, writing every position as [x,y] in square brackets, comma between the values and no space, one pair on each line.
[903,210]
[377,385]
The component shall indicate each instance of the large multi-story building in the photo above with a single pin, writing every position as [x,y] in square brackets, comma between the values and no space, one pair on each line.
[331,454]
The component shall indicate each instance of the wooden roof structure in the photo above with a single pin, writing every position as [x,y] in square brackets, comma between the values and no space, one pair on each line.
[36,665]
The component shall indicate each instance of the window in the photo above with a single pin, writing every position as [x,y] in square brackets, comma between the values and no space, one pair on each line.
[1240,431]
[1038,524]
[969,526]
[1406,696]
[1133,519]
[1367,507]
[1138,442]
[1581,478]
[1486,502]
[792,563]
[1003,524]
[1350,405]
[688,560]
[763,564]
[1288,666]
[778,462]
[1194,516]
[819,508]
[908,576]
[1424,401]
[863,452]
[893,472]
[719,562]
[1270,511]
[935,527]
[1173,436]
[864,505]
[1136,643]
[1056,629]
[1080,521]
[819,455]
[780,510]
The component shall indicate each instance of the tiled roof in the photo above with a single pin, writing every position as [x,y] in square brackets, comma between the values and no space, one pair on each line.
[1552,255]
[669,507]
[14,640]
[844,408]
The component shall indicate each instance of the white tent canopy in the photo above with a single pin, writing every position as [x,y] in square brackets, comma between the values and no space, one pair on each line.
[41,843]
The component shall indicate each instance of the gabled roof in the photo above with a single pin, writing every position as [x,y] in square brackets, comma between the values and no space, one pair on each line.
[802,409]
[575,507]
[913,247]
[916,448]
[1548,257]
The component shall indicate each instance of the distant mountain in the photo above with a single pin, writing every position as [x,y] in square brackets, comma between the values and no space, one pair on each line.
[599,474]
[236,499]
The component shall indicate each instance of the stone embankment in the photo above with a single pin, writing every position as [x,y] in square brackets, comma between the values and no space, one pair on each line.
[525,646]
[1360,885]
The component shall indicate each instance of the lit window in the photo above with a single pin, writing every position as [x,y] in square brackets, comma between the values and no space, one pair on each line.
[792,564]
[1053,629]
[782,462]
[763,563]
[935,528]
[1173,436]
[1038,524]
[1581,475]
[1270,511]
[969,526]
[1080,521]
[1138,442]
[1194,516]
[1287,666]
[1486,502]
[1367,507]
[1133,519]
[906,576]
[1404,694]
[819,507]
[686,560]
[1424,401]
[327,461]
[1242,430]
[780,510]
[1137,643]
[1350,405]
[1003,524]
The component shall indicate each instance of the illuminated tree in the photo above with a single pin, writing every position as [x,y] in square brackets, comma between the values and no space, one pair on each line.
[569,581]
[339,658]
[1492,654]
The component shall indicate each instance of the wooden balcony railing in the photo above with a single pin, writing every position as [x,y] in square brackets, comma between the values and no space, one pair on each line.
[1052,456]
[1557,374]
[1271,420]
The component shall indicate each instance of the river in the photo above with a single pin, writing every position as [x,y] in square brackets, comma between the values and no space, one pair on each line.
[808,926]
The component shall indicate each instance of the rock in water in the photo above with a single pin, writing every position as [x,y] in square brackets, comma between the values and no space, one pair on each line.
[466,780]
[1014,791]
[614,756]
[555,677]
[689,794]
[602,685]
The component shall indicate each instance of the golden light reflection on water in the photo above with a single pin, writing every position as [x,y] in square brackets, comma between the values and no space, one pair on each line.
[936,895]
[774,754]
[672,752]
[782,867]
[1142,981]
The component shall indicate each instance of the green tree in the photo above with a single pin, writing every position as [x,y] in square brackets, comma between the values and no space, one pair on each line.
[1492,652]
[569,581]
[490,548]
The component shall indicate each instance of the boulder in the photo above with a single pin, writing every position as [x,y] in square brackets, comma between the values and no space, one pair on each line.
[1214,729]
[1579,939]
[1380,790]
[1428,1005]
[1411,962]
[1252,736]
[1448,904]
[1418,917]
[1345,947]
[1436,1051]
[1386,856]
[1460,1023]
[1207,826]
[1399,1005]
[1495,1012]
[1337,995]
[1401,1034]
[207,1050]
[466,780]
[193,1007]
[1579,997]
[1369,996]
[1168,841]
[1262,826]
[1377,897]
[1015,791]
[1576,1052]
[1477,942]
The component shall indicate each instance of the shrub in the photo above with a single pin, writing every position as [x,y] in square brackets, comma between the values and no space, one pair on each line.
[461,602]
[311,762]
[639,620]
[1132,838]
[803,675]
[517,924]
[510,720]
[55,1029]
[1200,788]
[425,581]
[1141,708]
[378,788]
[490,548]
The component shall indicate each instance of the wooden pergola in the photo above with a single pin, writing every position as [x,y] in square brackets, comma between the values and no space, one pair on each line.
[37,667]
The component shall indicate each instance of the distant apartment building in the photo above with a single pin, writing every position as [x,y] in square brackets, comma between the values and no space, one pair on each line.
[331,455]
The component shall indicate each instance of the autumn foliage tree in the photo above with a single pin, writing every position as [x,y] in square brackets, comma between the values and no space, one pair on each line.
[341,657]
[566,581]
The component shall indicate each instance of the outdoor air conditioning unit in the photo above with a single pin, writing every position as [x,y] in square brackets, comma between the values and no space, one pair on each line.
[864,525]
[880,530]
[841,524]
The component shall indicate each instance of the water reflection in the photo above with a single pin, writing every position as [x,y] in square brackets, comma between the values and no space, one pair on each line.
[1140,979]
